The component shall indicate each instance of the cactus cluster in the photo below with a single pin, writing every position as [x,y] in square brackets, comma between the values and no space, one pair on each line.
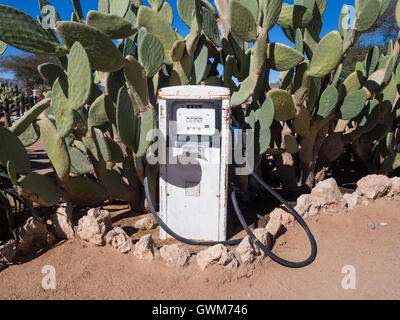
[95,120]
[10,93]
[12,100]
[332,111]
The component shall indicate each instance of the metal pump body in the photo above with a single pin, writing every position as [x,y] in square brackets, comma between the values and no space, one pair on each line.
[194,122]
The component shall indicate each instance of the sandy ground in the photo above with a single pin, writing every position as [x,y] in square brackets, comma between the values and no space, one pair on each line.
[85,272]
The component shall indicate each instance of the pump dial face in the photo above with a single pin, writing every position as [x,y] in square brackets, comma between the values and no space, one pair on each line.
[195,119]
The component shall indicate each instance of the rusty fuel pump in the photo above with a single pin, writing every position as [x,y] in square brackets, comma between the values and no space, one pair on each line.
[194,145]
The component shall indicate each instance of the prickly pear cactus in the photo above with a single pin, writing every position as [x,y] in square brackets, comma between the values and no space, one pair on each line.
[97,139]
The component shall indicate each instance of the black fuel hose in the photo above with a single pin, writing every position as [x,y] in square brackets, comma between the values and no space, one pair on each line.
[239,214]
[293,212]
[172,233]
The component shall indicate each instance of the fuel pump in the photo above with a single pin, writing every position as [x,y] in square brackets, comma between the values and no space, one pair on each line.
[194,155]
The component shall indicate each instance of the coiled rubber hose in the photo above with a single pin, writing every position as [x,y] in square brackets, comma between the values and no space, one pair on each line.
[239,214]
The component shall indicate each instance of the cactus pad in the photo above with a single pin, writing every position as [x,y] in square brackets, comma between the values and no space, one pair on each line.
[3,47]
[367,12]
[328,102]
[84,191]
[50,72]
[301,122]
[119,7]
[30,136]
[116,187]
[186,10]
[112,25]
[167,13]
[200,61]
[12,174]
[146,125]
[353,104]
[79,77]
[80,165]
[156,4]
[151,54]
[327,55]
[283,103]
[62,109]
[103,54]
[157,25]
[368,118]
[136,79]
[282,57]
[101,113]
[21,31]
[26,120]
[290,144]
[41,189]
[127,118]
[242,21]
[56,148]
[398,14]
[271,10]
[210,27]
[263,137]
[13,150]
[265,115]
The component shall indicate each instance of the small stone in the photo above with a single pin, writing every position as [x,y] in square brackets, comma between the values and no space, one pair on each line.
[210,256]
[146,223]
[274,226]
[118,238]
[374,186]
[304,203]
[278,219]
[144,248]
[304,206]
[94,226]
[32,236]
[176,255]
[371,226]
[265,238]
[218,254]
[384,224]
[61,222]
[326,193]
[233,265]
[395,186]
[352,199]
[245,251]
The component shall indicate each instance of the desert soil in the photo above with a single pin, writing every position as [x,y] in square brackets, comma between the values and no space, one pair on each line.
[343,238]
[85,272]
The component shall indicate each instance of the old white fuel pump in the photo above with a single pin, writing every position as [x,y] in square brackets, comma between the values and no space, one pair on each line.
[194,153]
[193,196]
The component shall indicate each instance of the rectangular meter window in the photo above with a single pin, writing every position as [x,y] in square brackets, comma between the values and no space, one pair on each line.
[195,118]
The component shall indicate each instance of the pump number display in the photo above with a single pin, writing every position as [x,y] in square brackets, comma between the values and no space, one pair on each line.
[195,120]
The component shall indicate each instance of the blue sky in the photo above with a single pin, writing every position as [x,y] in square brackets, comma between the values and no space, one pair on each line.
[65,9]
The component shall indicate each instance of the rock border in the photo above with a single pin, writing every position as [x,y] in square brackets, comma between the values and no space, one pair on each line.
[96,228]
